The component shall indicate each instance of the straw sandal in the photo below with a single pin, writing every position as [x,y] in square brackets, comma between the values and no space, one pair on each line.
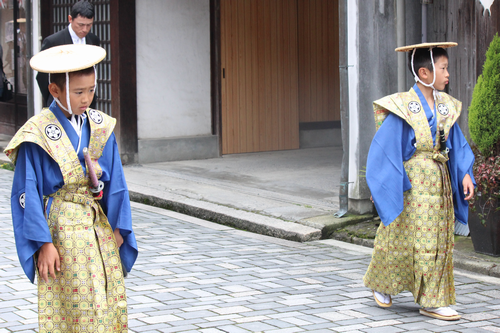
[387,299]
[443,313]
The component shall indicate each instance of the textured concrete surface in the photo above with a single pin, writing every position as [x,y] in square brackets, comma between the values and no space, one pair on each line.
[197,276]
[175,149]
[275,193]
[331,137]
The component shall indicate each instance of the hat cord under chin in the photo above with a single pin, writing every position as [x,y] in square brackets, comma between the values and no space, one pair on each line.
[68,109]
[68,103]
[435,93]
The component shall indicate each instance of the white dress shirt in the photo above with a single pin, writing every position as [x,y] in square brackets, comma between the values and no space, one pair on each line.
[74,37]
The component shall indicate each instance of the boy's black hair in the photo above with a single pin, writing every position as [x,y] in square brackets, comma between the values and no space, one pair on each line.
[422,58]
[83,8]
[60,78]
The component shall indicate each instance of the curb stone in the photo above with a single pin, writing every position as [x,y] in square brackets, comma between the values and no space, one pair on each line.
[239,219]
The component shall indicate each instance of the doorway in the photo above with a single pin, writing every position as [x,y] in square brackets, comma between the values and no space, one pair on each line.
[279,63]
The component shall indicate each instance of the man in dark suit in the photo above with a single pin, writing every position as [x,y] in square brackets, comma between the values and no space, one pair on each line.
[77,32]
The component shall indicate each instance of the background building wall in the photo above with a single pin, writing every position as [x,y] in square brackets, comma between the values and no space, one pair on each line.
[472,27]
[173,80]
[372,40]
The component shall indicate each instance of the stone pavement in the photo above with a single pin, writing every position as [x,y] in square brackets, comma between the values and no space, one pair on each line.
[197,276]
[286,194]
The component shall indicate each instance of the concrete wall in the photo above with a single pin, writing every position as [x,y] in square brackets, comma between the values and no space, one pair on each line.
[372,40]
[331,137]
[173,79]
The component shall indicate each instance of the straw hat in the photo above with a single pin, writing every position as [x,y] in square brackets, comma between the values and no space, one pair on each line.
[429,46]
[19,20]
[443,45]
[67,58]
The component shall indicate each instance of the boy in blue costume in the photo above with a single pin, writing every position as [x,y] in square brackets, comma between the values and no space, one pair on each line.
[76,236]
[419,171]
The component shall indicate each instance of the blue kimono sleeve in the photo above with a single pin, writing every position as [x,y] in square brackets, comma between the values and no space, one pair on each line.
[116,201]
[385,172]
[35,174]
[460,164]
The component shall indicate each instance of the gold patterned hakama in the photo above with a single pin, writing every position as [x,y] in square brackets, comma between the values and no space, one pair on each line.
[88,294]
[415,251]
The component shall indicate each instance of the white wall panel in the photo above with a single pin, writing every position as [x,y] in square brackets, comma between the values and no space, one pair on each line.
[173,68]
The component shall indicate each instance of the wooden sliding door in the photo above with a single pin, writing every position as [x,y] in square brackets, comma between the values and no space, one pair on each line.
[319,89]
[259,64]
[280,66]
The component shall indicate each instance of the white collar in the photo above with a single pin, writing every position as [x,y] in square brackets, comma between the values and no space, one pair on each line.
[74,37]
[77,123]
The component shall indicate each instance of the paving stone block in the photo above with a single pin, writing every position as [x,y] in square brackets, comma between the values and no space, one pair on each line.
[195,278]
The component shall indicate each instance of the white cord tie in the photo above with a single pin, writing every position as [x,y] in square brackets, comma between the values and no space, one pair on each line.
[435,93]
[68,103]
[68,109]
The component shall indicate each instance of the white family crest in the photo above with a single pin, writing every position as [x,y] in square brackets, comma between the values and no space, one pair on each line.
[53,132]
[95,116]
[443,109]
[414,107]
[22,199]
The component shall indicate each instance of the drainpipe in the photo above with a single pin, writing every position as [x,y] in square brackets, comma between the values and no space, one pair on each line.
[401,41]
[29,54]
[424,19]
[344,108]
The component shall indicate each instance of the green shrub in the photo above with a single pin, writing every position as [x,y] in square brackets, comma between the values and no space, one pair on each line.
[484,111]
[7,166]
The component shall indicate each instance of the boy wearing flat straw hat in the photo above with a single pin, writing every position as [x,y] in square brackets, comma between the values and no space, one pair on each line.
[419,171]
[70,203]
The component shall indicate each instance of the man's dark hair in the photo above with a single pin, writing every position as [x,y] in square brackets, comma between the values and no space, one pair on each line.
[60,78]
[83,8]
[422,58]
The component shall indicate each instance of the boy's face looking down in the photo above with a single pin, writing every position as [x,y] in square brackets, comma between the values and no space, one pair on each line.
[81,92]
[442,75]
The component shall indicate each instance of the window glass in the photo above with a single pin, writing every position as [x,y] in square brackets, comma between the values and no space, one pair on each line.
[8,53]
[22,59]
[7,38]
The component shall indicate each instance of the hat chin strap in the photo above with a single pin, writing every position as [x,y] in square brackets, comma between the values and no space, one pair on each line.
[95,79]
[67,92]
[435,93]
[67,97]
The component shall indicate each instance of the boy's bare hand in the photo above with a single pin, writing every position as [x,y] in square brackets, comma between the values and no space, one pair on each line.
[468,187]
[118,237]
[48,261]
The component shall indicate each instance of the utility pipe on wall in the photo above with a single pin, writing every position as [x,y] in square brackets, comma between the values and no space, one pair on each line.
[424,19]
[424,22]
[401,41]
[344,108]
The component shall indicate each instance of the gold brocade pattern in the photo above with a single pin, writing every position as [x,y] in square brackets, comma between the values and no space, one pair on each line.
[88,295]
[415,252]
